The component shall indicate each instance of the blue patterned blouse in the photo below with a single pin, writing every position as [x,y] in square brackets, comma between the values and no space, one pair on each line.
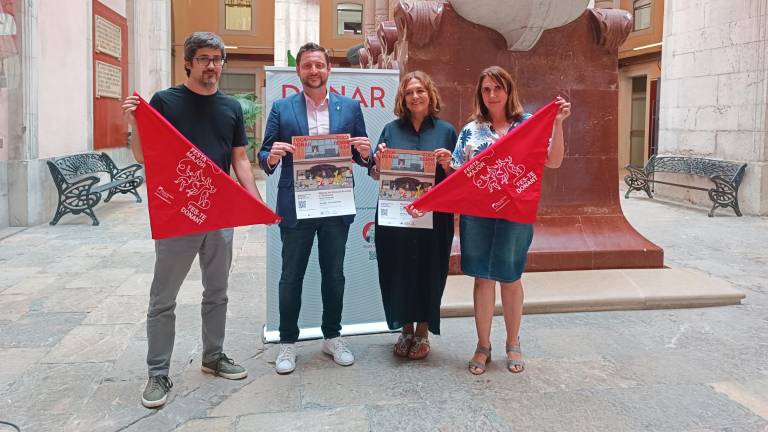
[476,137]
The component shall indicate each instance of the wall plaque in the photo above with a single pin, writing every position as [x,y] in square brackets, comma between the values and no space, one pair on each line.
[108,37]
[109,80]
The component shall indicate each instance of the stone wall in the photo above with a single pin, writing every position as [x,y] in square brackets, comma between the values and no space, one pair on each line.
[713,91]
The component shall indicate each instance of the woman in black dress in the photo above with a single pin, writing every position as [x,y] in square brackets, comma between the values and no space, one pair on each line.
[413,262]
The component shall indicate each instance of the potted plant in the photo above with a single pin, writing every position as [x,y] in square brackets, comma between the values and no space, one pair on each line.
[251,106]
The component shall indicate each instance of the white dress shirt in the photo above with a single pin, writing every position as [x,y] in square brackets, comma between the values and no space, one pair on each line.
[317,116]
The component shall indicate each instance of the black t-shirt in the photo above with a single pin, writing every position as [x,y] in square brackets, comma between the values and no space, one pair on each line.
[213,123]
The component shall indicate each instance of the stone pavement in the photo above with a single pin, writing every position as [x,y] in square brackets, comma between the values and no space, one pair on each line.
[73,301]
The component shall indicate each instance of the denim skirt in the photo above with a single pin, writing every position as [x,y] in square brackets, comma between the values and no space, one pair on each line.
[494,249]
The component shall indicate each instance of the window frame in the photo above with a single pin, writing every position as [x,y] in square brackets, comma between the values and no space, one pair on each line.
[335,11]
[223,19]
[646,4]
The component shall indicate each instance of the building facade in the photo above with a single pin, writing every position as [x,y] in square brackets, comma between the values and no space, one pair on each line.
[261,33]
[64,69]
[639,73]
[714,97]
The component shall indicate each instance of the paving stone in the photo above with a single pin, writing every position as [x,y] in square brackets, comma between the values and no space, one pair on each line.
[138,284]
[13,274]
[38,329]
[267,393]
[32,284]
[70,300]
[102,278]
[118,309]
[15,361]
[14,306]
[91,343]
[226,424]
[436,415]
[45,397]
[352,419]
[658,408]
[112,406]
[751,394]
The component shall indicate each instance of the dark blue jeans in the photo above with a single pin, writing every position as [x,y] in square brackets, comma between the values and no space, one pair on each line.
[332,235]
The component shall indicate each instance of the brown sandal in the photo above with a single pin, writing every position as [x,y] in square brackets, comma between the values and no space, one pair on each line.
[415,353]
[476,364]
[403,346]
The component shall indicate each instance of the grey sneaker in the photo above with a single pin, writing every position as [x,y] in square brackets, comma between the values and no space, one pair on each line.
[225,367]
[285,362]
[339,350]
[156,391]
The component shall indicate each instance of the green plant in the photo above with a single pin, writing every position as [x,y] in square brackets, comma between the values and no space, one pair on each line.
[251,107]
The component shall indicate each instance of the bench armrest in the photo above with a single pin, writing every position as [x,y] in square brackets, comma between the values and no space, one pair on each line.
[127,172]
[636,171]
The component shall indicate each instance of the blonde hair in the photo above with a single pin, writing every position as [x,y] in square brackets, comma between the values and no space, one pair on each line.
[401,110]
[514,109]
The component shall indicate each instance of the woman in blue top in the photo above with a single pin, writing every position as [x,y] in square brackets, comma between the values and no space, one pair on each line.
[495,250]
[413,262]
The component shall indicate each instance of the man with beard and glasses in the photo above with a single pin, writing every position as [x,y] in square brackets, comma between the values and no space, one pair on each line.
[212,122]
[314,111]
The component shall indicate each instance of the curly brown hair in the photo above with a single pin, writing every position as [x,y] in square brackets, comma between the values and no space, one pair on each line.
[514,108]
[401,110]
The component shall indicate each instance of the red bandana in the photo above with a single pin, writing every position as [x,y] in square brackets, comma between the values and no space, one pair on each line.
[504,180]
[188,193]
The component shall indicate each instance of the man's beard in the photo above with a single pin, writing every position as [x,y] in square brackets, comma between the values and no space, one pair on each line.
[208,80]
[308,83]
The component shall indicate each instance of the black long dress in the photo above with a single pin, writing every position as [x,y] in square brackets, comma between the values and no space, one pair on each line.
[413,262]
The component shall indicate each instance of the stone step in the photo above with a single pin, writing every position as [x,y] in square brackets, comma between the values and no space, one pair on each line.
[602,290]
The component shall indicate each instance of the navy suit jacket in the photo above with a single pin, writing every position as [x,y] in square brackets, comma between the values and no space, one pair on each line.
[287,119]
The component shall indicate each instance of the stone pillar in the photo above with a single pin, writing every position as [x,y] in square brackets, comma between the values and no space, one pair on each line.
[24,199]
[296,23]
[714,94]
[149,25]
[149,54]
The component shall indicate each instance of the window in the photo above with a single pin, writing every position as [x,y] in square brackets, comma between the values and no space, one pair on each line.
[237,15]
[642,14]
[349,18]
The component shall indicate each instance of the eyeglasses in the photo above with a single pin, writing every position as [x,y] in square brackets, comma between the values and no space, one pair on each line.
[205,61]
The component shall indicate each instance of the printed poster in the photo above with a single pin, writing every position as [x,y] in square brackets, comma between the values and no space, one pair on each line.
[322,167]
[405,175]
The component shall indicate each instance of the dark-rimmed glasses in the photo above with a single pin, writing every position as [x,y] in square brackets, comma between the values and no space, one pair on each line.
[205,61]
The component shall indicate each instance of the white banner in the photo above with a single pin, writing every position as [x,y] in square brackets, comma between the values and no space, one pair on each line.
[363,310]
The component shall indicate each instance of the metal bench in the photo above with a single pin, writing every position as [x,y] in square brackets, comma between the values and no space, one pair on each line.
[725,175]
[77,179]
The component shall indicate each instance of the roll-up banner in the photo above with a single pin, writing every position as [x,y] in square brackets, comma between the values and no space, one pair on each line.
[363,311]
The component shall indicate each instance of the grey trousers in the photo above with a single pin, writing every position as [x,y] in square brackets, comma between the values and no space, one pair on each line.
[174,257]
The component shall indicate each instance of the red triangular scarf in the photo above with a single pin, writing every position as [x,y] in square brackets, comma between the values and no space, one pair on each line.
[504,180]
[188,193]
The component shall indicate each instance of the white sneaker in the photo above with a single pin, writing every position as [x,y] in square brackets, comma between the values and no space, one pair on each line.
[338,348]
[285,362]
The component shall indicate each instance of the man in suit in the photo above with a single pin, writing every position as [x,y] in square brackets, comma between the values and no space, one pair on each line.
[314,111]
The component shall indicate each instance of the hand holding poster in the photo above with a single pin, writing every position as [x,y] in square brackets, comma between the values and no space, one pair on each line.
[405,176]
[323,176]
[504,180]
[188,193]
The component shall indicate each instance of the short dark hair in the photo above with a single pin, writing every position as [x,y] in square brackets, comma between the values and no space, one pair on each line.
[198,40]
[312,47]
